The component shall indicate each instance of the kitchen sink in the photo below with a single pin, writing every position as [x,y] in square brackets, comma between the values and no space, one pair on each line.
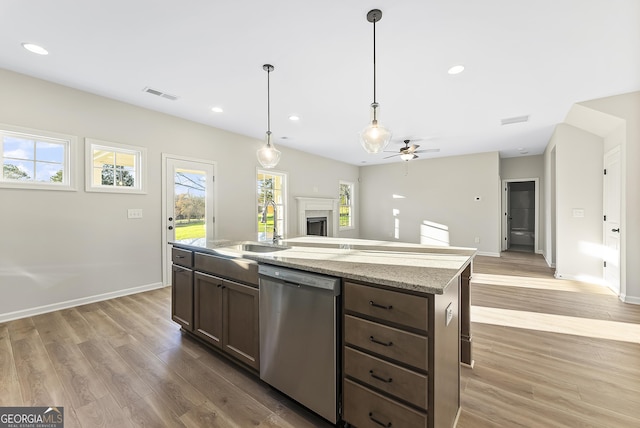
[257,247]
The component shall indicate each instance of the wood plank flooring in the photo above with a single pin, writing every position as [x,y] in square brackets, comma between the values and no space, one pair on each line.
[548,353]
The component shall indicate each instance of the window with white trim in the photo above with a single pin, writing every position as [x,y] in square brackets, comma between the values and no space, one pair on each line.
[113,167]
[346,205]
[271,186]
[34,159]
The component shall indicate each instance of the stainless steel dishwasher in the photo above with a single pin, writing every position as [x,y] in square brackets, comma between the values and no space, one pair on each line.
[298,336]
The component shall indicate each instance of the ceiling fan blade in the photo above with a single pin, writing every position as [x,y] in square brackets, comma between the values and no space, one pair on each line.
[397,154]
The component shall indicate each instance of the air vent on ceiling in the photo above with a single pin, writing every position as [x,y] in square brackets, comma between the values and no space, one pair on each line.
[160,93]
[517,119]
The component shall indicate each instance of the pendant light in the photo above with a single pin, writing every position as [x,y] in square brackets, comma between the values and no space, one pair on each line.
[375,137]
[268,155]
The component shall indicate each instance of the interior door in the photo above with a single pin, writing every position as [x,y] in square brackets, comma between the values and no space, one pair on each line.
[506,242]
[612,219]
[188,205]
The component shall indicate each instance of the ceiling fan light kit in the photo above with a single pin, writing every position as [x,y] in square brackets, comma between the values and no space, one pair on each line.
[375,137]
[268,155]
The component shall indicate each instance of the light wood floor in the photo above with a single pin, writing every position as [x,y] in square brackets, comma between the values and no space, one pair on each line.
[547,353]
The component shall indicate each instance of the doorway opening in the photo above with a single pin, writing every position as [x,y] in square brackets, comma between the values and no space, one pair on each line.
[520,223]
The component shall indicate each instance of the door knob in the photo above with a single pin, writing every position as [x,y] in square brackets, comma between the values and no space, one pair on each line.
[170,218]
[616,230]
[170,228]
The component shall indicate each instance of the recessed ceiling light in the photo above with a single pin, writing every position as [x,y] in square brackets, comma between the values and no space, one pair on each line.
[294,117]
[456,69]
[217,109]
[36,49]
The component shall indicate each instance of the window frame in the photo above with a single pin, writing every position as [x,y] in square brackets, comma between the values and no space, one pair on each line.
[352,218]
[140,168]
[69,170]
[282,207]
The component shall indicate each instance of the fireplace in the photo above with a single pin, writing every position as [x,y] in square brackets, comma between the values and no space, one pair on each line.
[317,226]
[317,216]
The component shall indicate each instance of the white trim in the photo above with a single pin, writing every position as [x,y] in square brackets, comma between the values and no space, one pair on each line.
[630,299]
[140,153]
[487,253]
[9,316]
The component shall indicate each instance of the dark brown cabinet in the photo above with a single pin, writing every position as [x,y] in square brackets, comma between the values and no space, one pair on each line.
[226,316]
[217,300]
[400,348]
[182,288]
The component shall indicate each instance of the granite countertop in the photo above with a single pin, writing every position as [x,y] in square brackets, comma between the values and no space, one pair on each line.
[412,267]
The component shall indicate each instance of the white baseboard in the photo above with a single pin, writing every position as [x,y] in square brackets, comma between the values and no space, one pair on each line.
[9,316]
[630,299]
[488,254]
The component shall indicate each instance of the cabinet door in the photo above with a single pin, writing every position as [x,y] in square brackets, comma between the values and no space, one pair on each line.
[241,336]
[182,296]
[207,319]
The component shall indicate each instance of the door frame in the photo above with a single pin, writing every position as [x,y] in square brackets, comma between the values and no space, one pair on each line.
[505,198]
[166,279]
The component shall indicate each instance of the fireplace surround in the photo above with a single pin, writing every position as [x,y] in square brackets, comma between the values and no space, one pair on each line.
[309,208]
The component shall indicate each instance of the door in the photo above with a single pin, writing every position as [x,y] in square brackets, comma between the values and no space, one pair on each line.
[182,296]
[207,319]
[611,210]
[241,337]
[188,205]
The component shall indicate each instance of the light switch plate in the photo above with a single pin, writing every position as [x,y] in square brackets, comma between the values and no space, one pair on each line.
[134,213]
[578,212]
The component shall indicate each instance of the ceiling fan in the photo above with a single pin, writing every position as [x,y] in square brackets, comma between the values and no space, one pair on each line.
[408,152]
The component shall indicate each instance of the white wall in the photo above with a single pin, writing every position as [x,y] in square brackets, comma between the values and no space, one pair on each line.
[578,178]
[440,190]
[617,120]
[61,247]
[525,167]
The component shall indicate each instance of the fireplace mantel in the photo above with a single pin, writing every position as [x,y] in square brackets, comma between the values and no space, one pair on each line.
[318,207]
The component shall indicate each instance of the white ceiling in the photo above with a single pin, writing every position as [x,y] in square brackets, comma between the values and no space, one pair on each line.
[532,58]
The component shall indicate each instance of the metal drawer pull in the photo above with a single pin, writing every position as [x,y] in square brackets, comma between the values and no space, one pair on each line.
[375,376]
[179,257]
[375,305]
[374,340]
[382,424]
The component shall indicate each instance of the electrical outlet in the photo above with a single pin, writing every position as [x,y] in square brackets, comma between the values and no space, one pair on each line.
[448,313]
[134,213]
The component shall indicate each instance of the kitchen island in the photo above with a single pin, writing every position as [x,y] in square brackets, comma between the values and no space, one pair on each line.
[404,321]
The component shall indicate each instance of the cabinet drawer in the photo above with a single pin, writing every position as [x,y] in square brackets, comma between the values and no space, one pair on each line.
[408,348]
[390,378]
[387,305]
[182,257]
[241,270]
[366,409]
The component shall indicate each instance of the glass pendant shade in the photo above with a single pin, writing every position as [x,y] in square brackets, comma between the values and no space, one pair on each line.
[375,137]
[268,155]
[407,156]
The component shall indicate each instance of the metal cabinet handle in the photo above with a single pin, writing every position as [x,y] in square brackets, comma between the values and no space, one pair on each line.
[179,257]
[374,340]
[382,424]
[376,305]
[616,230]
[375,376]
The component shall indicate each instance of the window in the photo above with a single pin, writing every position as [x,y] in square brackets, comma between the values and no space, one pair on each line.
[115,167]
[271,186]
[346,205]
[33,159]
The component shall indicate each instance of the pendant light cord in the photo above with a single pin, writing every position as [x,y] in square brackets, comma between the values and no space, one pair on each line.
[374,60]
[268,103]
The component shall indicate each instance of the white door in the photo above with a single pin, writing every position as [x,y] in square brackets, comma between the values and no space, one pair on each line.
[188,205]
[611,210]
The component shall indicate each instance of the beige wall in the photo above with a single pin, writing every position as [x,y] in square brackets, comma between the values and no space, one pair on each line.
[440,190]
[61,247]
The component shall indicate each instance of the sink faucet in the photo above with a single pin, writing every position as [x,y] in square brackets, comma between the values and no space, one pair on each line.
[276,237]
